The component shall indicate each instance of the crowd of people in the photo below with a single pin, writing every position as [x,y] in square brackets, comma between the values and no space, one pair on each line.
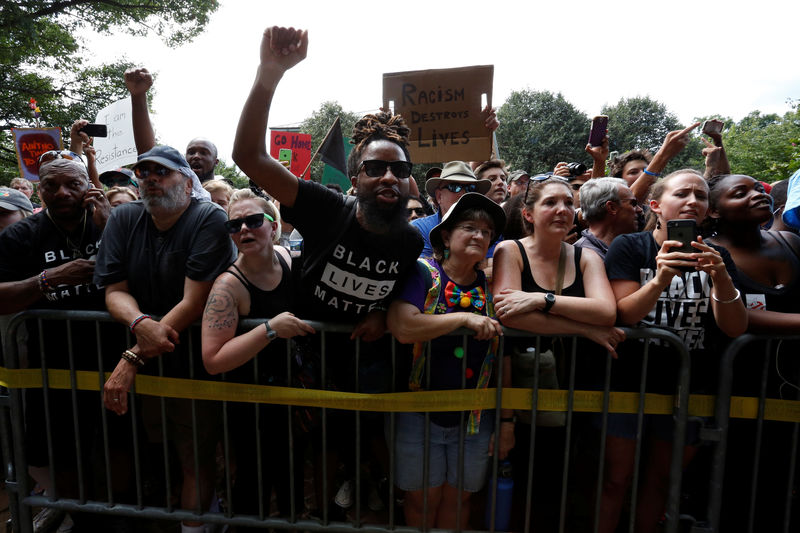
[565,252]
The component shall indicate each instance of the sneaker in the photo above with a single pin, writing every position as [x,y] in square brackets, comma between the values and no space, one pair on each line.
[344,498]
[66,525]
[374,502]
[47,519]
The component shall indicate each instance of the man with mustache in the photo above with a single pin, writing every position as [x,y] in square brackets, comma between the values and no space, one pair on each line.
[47,262]
[355,249]
[160,256]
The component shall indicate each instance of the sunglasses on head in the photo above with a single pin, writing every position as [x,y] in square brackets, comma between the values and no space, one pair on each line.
[458,187]
[376,168]
[60,154]
[252,222]
[158,170]
[544,177]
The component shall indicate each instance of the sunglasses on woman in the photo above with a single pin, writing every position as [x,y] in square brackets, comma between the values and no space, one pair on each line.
[376,168]
[60,154]
[252,222]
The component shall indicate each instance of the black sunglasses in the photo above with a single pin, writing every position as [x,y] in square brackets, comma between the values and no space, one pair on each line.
[252,222]
[419,211]
[376,168]
[458,187]
[119,182]
[143,173]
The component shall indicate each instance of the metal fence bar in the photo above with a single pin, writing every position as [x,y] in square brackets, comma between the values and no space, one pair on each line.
[167,512]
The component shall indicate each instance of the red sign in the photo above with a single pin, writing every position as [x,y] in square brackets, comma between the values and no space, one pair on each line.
[298,143]
[30,144]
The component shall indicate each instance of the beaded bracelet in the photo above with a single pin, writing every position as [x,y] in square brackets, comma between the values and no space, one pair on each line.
[132,358]
[137,320]
[654,174]
[44,285]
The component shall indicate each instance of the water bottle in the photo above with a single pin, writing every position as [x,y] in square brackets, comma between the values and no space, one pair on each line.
[295,243]
[504,489]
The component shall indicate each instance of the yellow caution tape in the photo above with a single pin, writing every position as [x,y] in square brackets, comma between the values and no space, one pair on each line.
[451,400]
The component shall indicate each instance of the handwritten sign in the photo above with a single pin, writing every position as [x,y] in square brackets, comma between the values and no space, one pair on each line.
[119,148]
[443,109]
[298,143]
[31,143]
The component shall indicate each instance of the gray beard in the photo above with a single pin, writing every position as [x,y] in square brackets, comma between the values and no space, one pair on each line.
[173,199]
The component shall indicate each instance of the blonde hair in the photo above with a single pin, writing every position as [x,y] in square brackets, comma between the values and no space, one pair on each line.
[120,190]
[269,208]
[218,185]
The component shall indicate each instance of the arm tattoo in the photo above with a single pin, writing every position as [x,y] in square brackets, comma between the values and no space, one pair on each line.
[221,312]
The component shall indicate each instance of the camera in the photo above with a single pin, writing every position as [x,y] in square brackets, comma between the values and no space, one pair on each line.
[576,169]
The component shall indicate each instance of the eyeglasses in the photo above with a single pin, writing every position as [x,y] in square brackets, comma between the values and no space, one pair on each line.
[458,187]
[143,173]
[60,154]
[376,168]
[475,231]
[252,222]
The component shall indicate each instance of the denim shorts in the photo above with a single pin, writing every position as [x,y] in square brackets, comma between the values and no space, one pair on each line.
[410,451]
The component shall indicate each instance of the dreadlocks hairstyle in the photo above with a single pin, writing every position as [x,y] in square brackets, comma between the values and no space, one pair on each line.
[375,127]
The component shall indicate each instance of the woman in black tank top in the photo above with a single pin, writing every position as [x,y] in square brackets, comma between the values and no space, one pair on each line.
[258,285]
[768,268]
[526,274]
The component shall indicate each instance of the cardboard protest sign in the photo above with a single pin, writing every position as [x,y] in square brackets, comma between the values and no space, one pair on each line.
[31,143]
[300,145]
[119,148]
[443,109]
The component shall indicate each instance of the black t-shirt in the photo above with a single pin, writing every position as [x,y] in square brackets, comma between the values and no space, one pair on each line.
[683,308]
[360,270]
[35,244]
[155,264]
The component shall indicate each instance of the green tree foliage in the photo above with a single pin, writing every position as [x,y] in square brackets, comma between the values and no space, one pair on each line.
[538,129]
[318,124]
[42,57]
[232,172]
[766,147]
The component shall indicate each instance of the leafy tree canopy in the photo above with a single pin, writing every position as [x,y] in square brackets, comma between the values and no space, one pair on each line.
[538,129]
[42,57]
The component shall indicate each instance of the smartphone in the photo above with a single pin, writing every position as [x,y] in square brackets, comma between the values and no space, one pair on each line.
[285,157]
[712,126]
[683,230]
[599,130]
[95,130]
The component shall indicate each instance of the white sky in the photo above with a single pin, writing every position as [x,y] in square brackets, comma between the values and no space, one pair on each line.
[698,58]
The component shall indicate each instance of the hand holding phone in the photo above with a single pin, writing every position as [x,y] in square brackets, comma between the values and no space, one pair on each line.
[95,130]
[599,130]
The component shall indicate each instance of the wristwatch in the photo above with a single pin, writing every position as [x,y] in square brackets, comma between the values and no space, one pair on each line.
[271,333]
[549,302]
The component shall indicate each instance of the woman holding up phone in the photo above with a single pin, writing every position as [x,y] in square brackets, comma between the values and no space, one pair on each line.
[691,293]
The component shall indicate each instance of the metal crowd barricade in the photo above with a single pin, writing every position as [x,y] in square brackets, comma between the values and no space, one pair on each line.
[719,435]
[12,424]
